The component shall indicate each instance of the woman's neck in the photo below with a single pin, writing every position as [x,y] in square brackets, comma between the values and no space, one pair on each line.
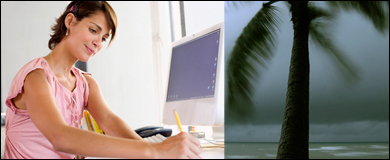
[61,61]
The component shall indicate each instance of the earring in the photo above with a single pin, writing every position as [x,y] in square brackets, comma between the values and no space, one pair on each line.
[67,30]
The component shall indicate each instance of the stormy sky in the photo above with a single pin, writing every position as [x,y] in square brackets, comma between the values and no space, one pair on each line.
[338,112]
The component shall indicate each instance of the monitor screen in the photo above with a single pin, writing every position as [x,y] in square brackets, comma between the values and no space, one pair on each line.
[194,68]
[195,79]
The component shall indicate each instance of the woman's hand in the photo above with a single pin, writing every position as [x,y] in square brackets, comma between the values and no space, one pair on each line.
[181,146]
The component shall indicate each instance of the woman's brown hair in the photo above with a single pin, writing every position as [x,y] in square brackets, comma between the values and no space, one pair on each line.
[81,10]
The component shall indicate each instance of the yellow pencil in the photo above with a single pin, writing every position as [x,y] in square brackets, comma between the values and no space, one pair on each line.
[178,120]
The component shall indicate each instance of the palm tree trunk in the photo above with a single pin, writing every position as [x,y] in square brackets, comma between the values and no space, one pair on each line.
[294,138]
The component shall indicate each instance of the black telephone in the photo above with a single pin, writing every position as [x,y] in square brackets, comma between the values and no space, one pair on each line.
[153,130]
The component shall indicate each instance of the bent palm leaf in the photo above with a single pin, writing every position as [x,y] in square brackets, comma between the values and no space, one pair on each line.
[376,11]
[253,47]
[321,35]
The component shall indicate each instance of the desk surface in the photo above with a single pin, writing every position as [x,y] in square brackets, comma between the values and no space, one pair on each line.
[207,153]
[209,150]
[212,149]
[213,153]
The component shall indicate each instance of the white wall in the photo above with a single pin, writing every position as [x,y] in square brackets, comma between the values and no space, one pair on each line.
[200,15]
[25,32]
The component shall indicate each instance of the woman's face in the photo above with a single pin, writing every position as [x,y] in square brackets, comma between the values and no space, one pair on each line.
[87,37]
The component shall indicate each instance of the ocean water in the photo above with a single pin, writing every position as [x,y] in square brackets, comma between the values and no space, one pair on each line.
[316,150]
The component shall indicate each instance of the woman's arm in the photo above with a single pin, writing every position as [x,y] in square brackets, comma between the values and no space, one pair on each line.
[42,109]
[107,120]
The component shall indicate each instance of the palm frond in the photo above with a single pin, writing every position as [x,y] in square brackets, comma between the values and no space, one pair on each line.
[320,35]
[319,13]
[376,11]
[253,47]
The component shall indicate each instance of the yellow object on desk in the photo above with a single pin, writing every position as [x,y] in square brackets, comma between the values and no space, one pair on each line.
[87,119]
[178,120]
[91,123]
[95,126]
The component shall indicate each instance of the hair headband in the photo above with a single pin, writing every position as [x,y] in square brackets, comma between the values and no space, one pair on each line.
[71,8]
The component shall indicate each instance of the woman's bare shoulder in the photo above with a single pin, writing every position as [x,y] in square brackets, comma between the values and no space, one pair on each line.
[90,79]
[39,72]
[36,79]
[32,79]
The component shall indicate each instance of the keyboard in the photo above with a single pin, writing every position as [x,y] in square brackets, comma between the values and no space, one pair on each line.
[156,138]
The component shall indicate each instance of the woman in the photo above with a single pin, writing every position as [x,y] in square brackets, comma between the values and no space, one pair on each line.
[48,95]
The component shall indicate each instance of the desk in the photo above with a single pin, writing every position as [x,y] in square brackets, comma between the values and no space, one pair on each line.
[211,149]
[207,153]
[213,153]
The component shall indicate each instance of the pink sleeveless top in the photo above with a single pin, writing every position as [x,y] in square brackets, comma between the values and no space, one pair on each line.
[23,139]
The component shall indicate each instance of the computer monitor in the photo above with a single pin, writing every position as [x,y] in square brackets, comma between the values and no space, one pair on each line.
[195,80]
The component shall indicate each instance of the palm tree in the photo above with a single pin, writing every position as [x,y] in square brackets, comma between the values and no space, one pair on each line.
[255,46]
